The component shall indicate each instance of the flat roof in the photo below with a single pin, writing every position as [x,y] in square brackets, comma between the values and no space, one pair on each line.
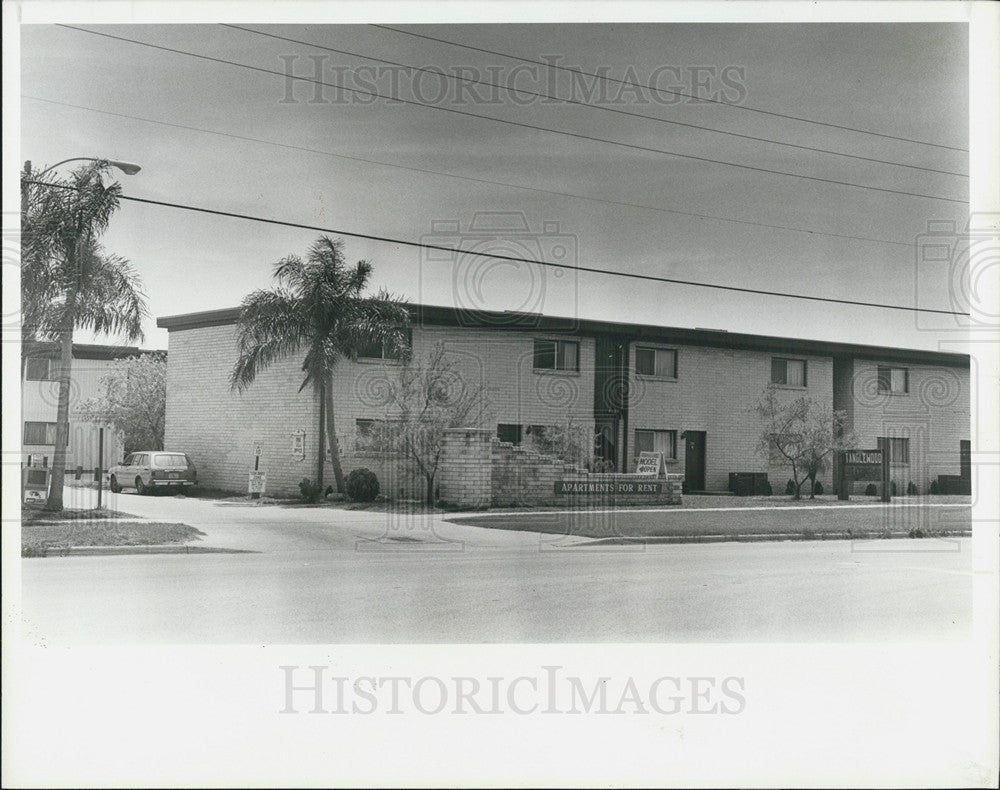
[439,315]
[88,350]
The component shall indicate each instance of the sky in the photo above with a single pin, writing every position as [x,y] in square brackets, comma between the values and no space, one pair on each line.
[241,140]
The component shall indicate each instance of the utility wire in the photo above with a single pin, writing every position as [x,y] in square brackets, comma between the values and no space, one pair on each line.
[516,259]
[520,124]
[665,91]
[575,102]
[471,178]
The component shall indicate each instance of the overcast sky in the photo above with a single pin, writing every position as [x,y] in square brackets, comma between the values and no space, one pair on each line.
[900,80]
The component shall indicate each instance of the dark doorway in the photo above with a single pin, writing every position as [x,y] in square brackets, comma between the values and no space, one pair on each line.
[694,460]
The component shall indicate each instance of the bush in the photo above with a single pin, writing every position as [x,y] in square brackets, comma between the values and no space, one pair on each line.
[790,487]
[310,491]
[362,485]
[871,490]
[818,488]
[934,487]
[892,488]
[911,489]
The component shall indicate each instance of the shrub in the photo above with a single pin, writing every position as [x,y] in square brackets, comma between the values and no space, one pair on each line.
[310,491]
[892,488]
[911,488]
[934,487]
[818,488]
[871,490]
[362,485]
[790,487]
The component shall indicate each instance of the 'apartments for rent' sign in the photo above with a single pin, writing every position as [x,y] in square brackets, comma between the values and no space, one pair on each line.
[609,487]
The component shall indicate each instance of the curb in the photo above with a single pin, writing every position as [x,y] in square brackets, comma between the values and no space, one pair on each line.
[94,551]
[763,537]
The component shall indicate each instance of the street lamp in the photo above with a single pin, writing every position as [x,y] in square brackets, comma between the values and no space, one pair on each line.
[128,168]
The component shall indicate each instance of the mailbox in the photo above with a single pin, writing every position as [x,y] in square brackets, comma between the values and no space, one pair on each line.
[35,484]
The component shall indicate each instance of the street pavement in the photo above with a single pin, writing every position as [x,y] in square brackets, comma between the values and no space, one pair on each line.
[322,575]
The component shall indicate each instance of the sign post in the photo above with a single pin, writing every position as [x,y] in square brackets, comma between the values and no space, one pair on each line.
[886,480]
[257,478]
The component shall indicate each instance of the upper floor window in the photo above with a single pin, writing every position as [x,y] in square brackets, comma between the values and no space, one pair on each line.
[557,355]
[656,362]
[788,372]
[380,350]
[894,380]
[39,369]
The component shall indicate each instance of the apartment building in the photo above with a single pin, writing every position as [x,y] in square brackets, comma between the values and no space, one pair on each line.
[688,393]
[40,402]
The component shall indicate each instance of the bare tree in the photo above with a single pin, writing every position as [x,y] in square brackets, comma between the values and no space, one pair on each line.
[431,397]
[803,432]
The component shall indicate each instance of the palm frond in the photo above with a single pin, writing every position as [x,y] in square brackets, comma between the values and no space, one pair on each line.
[270,327]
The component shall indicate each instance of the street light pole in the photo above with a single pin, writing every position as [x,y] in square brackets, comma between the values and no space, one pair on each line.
[128,168]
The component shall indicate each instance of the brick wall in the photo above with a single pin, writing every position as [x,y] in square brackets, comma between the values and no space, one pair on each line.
[715,391]
[479,471]
[933,415]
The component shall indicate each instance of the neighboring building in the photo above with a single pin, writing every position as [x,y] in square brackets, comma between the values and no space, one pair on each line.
[40,401]
[688,393]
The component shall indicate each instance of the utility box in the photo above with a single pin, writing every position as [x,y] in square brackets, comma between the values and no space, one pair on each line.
[748,483]
[35,484]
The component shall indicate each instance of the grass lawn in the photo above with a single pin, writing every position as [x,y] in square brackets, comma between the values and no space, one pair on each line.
[41,531]
[788,522]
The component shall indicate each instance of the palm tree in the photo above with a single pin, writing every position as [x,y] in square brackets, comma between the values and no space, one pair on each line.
[68,282]
[317,306]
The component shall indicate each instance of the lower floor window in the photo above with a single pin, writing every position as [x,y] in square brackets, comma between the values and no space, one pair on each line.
[41,433]
[508,432]
[656,442]
[899,449]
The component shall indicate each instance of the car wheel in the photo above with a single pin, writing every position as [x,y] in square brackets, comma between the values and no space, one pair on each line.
[115,488]
[140,487]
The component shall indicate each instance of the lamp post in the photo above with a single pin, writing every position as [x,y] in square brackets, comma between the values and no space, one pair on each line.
[128,168]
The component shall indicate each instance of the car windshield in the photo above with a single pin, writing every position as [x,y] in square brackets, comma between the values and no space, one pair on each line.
[169,459]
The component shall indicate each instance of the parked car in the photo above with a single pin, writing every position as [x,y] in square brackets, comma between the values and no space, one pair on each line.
[149,470]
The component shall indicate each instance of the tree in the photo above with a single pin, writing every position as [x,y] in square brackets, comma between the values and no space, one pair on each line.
[68,282]
[430,398]
[317,306]
[801,431]
[134,400]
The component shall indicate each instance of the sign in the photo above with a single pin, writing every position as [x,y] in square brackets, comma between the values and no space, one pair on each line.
[258,449]
[257,482]
[299,445]
[863,457]
[650,464]
[564,487]
[35,483]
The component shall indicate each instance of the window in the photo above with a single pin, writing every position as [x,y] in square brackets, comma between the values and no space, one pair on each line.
[899,449]
[656,442]
[660,362]
[788,372]
[509,433]
[379,350]
[893,380]
[367,433]
[39,369]
[557,355]
[41,433]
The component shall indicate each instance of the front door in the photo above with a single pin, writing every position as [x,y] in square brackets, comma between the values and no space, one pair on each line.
[694,460]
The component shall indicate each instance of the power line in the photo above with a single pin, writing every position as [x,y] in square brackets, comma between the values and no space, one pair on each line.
[575,102]
[520,124]
[472,178]
[515,259]
[664,90]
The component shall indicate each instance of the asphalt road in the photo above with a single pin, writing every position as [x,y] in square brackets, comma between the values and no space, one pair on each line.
[322,576]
